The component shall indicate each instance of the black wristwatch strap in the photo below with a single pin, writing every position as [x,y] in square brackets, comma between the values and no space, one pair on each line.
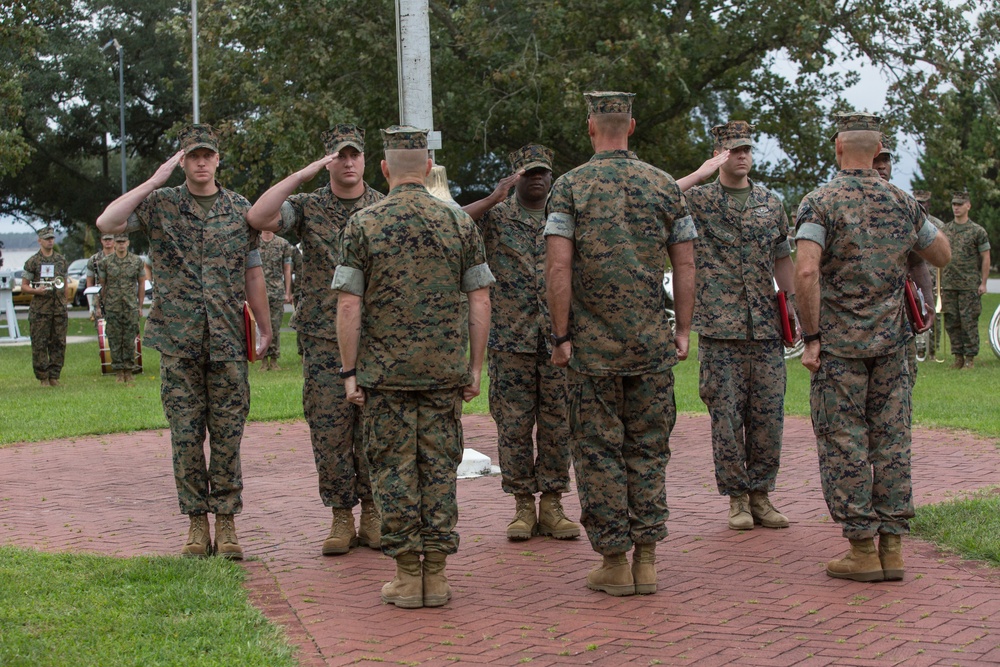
[559,340]
[348,374]
[808,338]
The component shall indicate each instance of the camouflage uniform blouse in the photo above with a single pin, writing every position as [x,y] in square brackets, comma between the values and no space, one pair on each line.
[274,254]
[318,218]
[412,257]
[964,271]
[515,252]
[38,268]
[622,214]
[735,254]
[199,273]
[120,278]
[92,263]
[866,227]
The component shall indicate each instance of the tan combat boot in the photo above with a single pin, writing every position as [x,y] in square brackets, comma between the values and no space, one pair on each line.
[342,536]
[406,590]
[552,519]
[370,526]
[119,377]
[644,568]
[199,542]
[763,511]
[613,576]
[436,589]
[127,378]
[45,382]
[226,544]
[861,563]
[970,363]
[959,362]
[739,513]
[53,382]
[890,554]
[523,525]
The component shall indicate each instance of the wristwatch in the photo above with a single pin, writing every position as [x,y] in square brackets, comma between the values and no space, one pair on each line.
[808,338]
[348,374]
[559,340]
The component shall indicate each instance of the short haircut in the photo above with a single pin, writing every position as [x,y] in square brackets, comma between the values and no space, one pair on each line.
[614,124]
[860,142]
[407,162]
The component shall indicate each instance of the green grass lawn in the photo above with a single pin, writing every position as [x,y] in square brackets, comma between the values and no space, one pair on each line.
[70,610]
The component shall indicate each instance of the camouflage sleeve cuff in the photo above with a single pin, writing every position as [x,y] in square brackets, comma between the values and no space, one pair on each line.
[286,218]
[477,277]
[133,224]
[926,235]
[28,275]
[810,231]
[983,247]
[90,273]
[253,259]
[350,280]
[684,230]
[288,260]
[783,249]
[560,224]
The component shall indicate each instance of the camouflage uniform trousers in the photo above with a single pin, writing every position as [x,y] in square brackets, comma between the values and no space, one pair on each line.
[122,329]
[199,394]
[620,435]
[48,343]
[961,309]
[526,389]
[861,418]
[334,426]
[277,307]
[414,445]
[743,385]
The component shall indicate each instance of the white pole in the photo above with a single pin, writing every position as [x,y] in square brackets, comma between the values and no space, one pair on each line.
[194,55]
[413,51]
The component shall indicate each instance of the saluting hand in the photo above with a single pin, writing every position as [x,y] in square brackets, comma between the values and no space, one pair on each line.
[504,186]
[162,174]
[308,173]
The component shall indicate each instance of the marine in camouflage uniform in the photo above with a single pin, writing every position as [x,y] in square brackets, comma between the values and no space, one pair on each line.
[205,264]
[918,271]
[407,261]
[318,219]
[297,288]
[276,260]
[107,249]
[122,277]
[963,281]
[47,318]
[526,389]
[854,236]
[742,248]
[611,224]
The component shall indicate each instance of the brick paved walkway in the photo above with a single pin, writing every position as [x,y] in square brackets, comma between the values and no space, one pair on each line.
[755,598]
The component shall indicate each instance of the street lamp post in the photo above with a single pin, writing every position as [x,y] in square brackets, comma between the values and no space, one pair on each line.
[121,104]
[194,57]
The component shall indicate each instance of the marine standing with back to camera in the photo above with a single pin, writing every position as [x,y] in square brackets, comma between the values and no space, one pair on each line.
[206,265]
[610,225]
[854,235]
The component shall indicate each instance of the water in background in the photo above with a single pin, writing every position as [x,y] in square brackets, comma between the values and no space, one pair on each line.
[13,260]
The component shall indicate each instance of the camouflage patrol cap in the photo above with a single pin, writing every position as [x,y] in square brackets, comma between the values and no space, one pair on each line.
[605,101]
[121,237]
[532,156]
[887,145]
[107,237]
[733,134]
[199,136]
[404,137]
[46,233]
[343,134]
[960,196]
[922,196]
[850,122]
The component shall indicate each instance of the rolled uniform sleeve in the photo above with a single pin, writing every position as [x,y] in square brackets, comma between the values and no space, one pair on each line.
[559,211]
[253,259]
[477,277]
[289,216]
[560,224]
[348,279]
[928,232]
[683,230]
[808,226]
